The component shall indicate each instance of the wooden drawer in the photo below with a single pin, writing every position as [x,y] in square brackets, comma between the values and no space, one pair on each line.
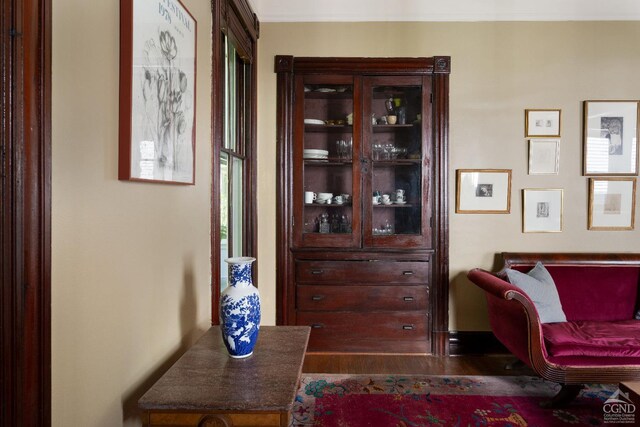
[362,272]
[367,332]
[361,298]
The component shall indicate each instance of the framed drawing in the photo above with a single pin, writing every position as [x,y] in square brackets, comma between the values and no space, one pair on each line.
[610,138]
[544,156]
[612,203]
[542,210]
[157,92]
[483,191]
[541,123]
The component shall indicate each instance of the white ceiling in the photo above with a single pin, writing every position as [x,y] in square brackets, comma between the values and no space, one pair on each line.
[445,10]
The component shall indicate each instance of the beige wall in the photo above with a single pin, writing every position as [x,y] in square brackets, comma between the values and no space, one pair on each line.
[498,70]
[130,276]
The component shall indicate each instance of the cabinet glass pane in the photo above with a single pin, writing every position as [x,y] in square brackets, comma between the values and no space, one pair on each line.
[328,159]
[396,154]
[224,219]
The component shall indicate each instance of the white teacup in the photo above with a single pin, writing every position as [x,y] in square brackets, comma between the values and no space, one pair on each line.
[338,200]
[375,200]
[310,196]
[386,197]
[399,192]
[325,196]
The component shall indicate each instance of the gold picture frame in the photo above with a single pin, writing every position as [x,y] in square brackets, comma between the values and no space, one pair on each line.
[542,210]
[612,204]
[483,191]
[610,138]
[542,123]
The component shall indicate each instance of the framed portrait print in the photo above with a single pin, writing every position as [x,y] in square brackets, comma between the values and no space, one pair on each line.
[541,123]
[610,138]
[483,191]
[612,203]
[542,210]
[157,92]
[544,156]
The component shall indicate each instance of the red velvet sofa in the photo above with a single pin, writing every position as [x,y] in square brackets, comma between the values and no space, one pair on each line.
[599,343]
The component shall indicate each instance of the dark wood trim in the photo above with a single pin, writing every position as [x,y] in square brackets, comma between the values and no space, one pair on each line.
[372,66]
[25,228]
[513,259]
[440,294]
[236,19]
[475,342]
[284,184]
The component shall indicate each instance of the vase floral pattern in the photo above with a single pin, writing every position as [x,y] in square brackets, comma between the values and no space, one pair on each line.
[240,309]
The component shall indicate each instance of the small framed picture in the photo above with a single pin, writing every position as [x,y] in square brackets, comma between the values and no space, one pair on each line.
[544,156]
[483,191]
[610,138]
[541,123]
[612,203]
[542,210]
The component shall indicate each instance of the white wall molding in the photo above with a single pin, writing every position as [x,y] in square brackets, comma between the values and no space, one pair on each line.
[445,10]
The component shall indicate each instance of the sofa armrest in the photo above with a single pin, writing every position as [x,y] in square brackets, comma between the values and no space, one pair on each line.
[513,317]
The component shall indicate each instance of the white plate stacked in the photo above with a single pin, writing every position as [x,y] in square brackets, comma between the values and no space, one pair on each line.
[315,154]
[313,122]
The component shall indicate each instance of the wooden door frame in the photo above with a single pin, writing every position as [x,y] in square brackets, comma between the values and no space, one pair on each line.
[25,225]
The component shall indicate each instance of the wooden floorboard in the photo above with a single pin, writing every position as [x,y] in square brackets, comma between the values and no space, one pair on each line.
[411,364]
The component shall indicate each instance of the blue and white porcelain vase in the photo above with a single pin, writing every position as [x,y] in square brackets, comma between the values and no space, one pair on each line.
[240,309]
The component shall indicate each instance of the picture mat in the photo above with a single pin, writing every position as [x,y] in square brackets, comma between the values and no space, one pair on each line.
[603,214]
[543,123]
[552,220]
[469,182]
[544,156]
[598,159]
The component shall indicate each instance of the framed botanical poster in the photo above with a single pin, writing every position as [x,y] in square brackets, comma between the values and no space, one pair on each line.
[483,191]
[610,138]
[541,123]
[542,210]
[157,92]
[612,203]
[544,156]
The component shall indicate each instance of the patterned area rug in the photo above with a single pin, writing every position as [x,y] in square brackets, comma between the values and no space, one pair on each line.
[403,401]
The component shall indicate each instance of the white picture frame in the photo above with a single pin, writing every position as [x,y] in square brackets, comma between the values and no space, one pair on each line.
[483,191]
[612,203]
[542,210]
[610,138]
[542,123]
[544,156]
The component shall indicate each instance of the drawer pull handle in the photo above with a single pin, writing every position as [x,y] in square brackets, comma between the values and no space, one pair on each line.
[317,297]
[407,327]
[407,273]
[317,271]
[317,326]
[408,298]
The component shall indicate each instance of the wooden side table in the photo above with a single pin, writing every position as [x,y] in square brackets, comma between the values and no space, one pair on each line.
[206,387]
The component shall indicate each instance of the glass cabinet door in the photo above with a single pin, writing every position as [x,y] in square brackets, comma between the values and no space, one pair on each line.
[326,162]
[397,151]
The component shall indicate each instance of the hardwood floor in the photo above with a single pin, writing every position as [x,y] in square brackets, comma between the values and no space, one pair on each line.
[412,364]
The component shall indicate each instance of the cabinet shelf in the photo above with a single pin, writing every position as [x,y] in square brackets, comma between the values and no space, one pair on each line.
[329,95]
[397,162]
[324,205]
[328,162]
[390,128]
[328,128]
[406,205]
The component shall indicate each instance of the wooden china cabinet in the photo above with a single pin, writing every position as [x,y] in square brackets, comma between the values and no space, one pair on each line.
[362,202]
